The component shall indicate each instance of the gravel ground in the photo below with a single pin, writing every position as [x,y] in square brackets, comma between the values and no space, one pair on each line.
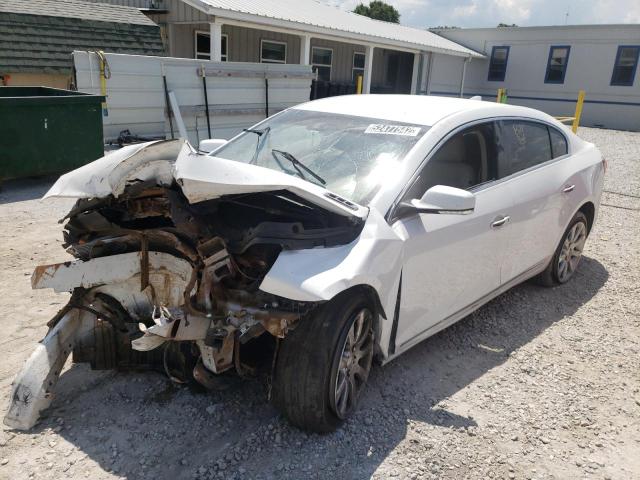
[539,383]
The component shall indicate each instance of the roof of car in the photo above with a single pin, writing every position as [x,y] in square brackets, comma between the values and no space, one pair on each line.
[416,109]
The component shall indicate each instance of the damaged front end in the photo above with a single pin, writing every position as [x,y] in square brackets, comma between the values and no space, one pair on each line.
[171,248]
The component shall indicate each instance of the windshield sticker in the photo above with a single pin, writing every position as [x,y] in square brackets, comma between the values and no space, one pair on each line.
[382,129]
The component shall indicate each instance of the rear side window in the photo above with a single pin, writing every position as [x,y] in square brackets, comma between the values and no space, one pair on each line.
[558,143]
[522,145]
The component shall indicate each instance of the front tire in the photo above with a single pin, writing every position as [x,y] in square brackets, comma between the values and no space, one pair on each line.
[567,256]
[323,365]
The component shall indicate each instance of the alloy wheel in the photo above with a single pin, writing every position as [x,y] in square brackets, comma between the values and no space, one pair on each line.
[354,364]
[571,252]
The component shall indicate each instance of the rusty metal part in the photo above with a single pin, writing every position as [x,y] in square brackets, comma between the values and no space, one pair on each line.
[220,358]
[276,322]
[152,204]
[76,297]
[128,241]
[250,333]
[207,378]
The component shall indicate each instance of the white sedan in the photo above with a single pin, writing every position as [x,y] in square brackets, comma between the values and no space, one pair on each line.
[329,234]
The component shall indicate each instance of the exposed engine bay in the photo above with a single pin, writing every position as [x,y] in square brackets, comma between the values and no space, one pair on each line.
[160,281]
[200,266]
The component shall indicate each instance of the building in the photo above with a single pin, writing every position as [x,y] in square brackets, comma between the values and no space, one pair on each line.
[545,67]
[38,36]
[340,45]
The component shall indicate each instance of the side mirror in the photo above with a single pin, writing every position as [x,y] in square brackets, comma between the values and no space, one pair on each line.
[443,200]
[211,144]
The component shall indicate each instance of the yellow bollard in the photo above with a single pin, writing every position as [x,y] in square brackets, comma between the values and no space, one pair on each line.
[576,119]
[105,73]
[499,97]
[359,85]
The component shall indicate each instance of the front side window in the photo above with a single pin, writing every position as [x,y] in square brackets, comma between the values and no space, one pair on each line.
[358,66]
[624,70]
[557,64]
[498,64]
[522,145]
[273,52]
[321,61]
[354,156]
[203,46]
[466,160]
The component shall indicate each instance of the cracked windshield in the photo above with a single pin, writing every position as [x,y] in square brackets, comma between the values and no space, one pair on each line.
[351,156]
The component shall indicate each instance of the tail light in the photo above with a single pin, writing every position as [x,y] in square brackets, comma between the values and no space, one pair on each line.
[605,164]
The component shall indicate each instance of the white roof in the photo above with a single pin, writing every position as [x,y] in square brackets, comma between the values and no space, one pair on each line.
[314,16]
[416,109]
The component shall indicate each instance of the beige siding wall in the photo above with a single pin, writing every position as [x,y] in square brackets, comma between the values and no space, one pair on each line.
[181,12]
[244,43]
[342,59]
[183,37]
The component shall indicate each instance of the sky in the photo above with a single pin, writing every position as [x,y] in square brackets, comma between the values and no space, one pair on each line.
[488,13]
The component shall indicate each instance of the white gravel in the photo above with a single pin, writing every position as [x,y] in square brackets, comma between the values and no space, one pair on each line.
[539,383]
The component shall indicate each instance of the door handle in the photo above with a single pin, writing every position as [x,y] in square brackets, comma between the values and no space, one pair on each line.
[568,188]
[500,221]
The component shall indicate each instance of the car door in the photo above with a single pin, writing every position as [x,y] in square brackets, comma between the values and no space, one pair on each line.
[451,261]
[533,157]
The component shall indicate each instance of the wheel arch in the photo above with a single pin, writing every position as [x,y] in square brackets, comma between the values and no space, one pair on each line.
[369,292]
[589,210]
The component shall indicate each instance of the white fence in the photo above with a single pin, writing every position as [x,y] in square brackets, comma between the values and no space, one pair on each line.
[239,94]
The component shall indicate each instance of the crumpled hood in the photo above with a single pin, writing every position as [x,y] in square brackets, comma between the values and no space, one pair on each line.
[201,177]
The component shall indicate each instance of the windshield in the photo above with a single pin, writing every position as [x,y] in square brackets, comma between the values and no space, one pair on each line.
[351,156]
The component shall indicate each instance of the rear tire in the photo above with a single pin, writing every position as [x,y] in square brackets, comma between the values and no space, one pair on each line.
[567,256]
[329,351]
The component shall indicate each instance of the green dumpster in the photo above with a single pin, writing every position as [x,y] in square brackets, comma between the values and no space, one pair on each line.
[47,130]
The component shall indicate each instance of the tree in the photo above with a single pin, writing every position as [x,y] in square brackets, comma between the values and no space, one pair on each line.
[504,25]
[379,11]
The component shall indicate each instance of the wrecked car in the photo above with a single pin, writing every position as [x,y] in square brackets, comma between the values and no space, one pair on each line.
[330,234]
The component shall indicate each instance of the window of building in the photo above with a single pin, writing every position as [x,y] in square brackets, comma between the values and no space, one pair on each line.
[273,52]
[558,143]
[358,66]
[522,145]
[557,64]
[624,69]
[321,61]
[498,64]
[466,160]
[203,46]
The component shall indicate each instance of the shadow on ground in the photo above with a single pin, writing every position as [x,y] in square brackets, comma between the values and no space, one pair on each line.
[12,191]
[141,426]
